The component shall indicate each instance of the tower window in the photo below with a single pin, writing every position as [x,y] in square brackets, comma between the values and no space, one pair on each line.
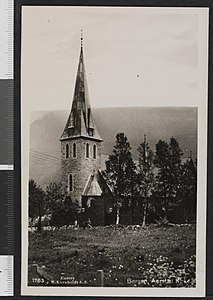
[74,150]
[87,150]
[94,151]
[70,183]
[67,151]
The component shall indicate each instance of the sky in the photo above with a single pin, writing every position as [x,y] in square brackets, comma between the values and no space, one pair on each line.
[133,56]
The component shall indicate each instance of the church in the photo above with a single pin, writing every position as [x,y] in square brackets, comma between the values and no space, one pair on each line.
[81,174]
[81,158]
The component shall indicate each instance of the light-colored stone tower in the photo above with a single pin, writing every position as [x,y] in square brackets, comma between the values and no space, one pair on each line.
[80,141]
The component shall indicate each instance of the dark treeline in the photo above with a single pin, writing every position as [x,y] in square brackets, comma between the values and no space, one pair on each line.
[56,208]
[160,187]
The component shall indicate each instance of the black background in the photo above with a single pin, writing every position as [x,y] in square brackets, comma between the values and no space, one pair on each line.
[6,207]
[6,123]
[17,122]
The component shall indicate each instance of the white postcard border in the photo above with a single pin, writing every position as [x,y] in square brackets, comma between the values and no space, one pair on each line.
[199,291]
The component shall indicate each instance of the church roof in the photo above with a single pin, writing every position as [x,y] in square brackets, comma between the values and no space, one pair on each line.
[80,122]
[92,187]
[96,185]
[190,165]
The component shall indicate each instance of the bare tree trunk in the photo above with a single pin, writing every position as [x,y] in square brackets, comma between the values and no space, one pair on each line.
[165,215]
[39,224]
[142,208]
[145,207]
[39,219]
[165,209]
[117,215]
[145,212]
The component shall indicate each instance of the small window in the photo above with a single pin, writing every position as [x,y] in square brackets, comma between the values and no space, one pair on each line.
[87,150]
[70,183]
[74,150]
[94,151]
[91,131]
[67,151]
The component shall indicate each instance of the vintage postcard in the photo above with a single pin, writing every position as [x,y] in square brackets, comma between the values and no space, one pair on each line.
[114,150]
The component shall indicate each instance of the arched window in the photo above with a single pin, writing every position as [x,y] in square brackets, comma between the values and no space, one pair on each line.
[94,151]
[74,150]
[70,183]
[67,151]
[87,150]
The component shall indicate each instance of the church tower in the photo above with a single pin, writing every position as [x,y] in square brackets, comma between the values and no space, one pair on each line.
[80,141]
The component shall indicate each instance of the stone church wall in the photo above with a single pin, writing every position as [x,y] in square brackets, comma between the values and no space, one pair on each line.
[80,166]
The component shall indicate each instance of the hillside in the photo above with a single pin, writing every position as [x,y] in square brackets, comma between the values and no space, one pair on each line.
[157,122]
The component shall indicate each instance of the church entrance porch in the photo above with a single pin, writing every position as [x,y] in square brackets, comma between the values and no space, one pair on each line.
[96,211]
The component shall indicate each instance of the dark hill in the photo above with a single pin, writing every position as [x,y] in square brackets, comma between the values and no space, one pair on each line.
[157,122]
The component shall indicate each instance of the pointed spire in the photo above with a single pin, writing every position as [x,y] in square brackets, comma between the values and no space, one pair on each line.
[80,121]
[81,38]
[191,165]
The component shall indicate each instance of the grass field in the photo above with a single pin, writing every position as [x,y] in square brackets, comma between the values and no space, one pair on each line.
[146,257]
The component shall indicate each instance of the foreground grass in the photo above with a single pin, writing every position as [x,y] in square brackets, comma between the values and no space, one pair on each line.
[154,256]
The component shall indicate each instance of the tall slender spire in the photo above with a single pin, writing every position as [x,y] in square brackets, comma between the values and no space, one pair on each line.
[80,121]
[81,38]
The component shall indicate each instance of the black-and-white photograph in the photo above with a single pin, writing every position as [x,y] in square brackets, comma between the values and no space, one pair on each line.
[114,105]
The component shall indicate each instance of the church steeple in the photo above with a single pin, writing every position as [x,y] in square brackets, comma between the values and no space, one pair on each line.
[81,38]
[81,156]
[80,122]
